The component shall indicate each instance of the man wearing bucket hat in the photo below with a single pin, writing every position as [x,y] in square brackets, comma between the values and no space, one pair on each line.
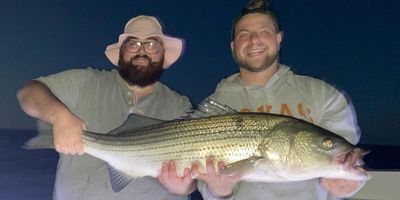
[98,100]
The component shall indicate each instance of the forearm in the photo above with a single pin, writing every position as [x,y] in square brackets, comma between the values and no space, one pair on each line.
[38,101]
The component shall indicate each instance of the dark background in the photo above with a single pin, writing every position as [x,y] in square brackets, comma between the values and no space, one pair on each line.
[353,45]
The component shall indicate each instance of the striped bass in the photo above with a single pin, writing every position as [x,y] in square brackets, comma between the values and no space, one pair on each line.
[261,147]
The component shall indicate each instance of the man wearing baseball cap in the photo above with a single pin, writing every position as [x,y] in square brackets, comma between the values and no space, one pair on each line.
[69,102]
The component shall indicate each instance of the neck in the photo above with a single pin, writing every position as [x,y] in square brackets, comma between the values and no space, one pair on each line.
[141,92]
[258,78]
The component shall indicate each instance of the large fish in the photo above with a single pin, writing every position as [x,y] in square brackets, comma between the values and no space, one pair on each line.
[259,146]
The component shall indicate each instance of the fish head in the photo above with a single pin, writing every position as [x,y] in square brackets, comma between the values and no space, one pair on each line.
[302,150]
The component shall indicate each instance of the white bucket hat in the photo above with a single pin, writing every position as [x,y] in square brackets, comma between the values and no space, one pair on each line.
[142,27]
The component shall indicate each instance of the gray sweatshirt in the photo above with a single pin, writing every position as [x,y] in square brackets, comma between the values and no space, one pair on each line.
[298,96]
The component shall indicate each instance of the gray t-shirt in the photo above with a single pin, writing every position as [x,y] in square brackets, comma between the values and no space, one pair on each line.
[102,100]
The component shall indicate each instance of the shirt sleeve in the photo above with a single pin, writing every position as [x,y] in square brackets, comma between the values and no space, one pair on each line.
[339,117]
[66,85]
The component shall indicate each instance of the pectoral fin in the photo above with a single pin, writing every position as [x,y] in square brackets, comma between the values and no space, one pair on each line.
[241,167]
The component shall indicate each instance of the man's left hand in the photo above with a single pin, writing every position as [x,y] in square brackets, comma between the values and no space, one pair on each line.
[173,183]
[340,187]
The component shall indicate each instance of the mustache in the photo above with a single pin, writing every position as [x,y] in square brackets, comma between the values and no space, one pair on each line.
[141,56]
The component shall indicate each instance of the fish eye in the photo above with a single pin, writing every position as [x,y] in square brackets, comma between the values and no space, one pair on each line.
[328,143]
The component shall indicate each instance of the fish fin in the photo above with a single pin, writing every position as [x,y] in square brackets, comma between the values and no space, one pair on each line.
[119,180]
[241,167]
[135,121]
[43,140]
[210,107]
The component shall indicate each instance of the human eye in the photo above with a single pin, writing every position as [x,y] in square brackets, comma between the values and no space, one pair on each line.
[243,35]
[133,43]
[265,33]
[152,44]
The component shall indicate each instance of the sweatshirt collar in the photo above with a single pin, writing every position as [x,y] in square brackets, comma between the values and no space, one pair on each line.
[283,69]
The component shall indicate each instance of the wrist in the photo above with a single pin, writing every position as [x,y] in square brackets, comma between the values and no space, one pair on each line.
[192,188]
[228,195]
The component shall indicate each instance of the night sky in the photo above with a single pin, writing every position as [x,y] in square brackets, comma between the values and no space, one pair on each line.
[353,45]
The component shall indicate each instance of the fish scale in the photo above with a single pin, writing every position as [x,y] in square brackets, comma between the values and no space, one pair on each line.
[264,147]
[220,137]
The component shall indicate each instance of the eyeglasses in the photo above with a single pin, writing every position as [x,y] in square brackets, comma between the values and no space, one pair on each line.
[151,46]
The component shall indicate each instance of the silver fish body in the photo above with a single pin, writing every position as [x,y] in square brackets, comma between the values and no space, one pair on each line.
[262,147]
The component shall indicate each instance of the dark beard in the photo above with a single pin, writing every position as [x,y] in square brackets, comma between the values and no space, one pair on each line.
[141,76]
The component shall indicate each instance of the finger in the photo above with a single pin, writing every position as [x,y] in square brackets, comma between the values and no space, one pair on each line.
[163,172]
[194,170]
[72,150]
[221,164]
[187,178]
[172,175]
[64,149]
[166,169]
[210,167]
[68,149]
[81,151]
[57,147]
[196,174]
[172,168]
[77,149]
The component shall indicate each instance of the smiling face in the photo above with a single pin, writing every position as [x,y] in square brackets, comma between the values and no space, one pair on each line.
[256,42]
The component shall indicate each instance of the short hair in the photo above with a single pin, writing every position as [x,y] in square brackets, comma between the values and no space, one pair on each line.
[256,6]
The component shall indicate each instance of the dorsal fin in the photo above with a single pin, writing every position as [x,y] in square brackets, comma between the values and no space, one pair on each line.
[135,121]
[118,179]
[210,107]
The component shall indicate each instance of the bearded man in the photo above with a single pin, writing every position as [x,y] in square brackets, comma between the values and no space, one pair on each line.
[75,100]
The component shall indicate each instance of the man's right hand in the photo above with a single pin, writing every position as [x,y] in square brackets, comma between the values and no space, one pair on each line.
[37,100]
[67,131]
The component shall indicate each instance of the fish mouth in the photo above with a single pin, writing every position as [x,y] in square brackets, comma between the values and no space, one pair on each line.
[351,160]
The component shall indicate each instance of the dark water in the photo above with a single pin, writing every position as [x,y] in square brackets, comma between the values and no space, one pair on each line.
[25,174]
[29,174]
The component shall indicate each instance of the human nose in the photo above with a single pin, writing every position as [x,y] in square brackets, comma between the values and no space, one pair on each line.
[141,49]
[254,38]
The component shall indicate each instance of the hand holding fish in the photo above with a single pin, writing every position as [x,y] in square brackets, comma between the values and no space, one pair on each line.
[257,147]
[219,185]
[343,187]
[38,101]
[67,131]
[173,183]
